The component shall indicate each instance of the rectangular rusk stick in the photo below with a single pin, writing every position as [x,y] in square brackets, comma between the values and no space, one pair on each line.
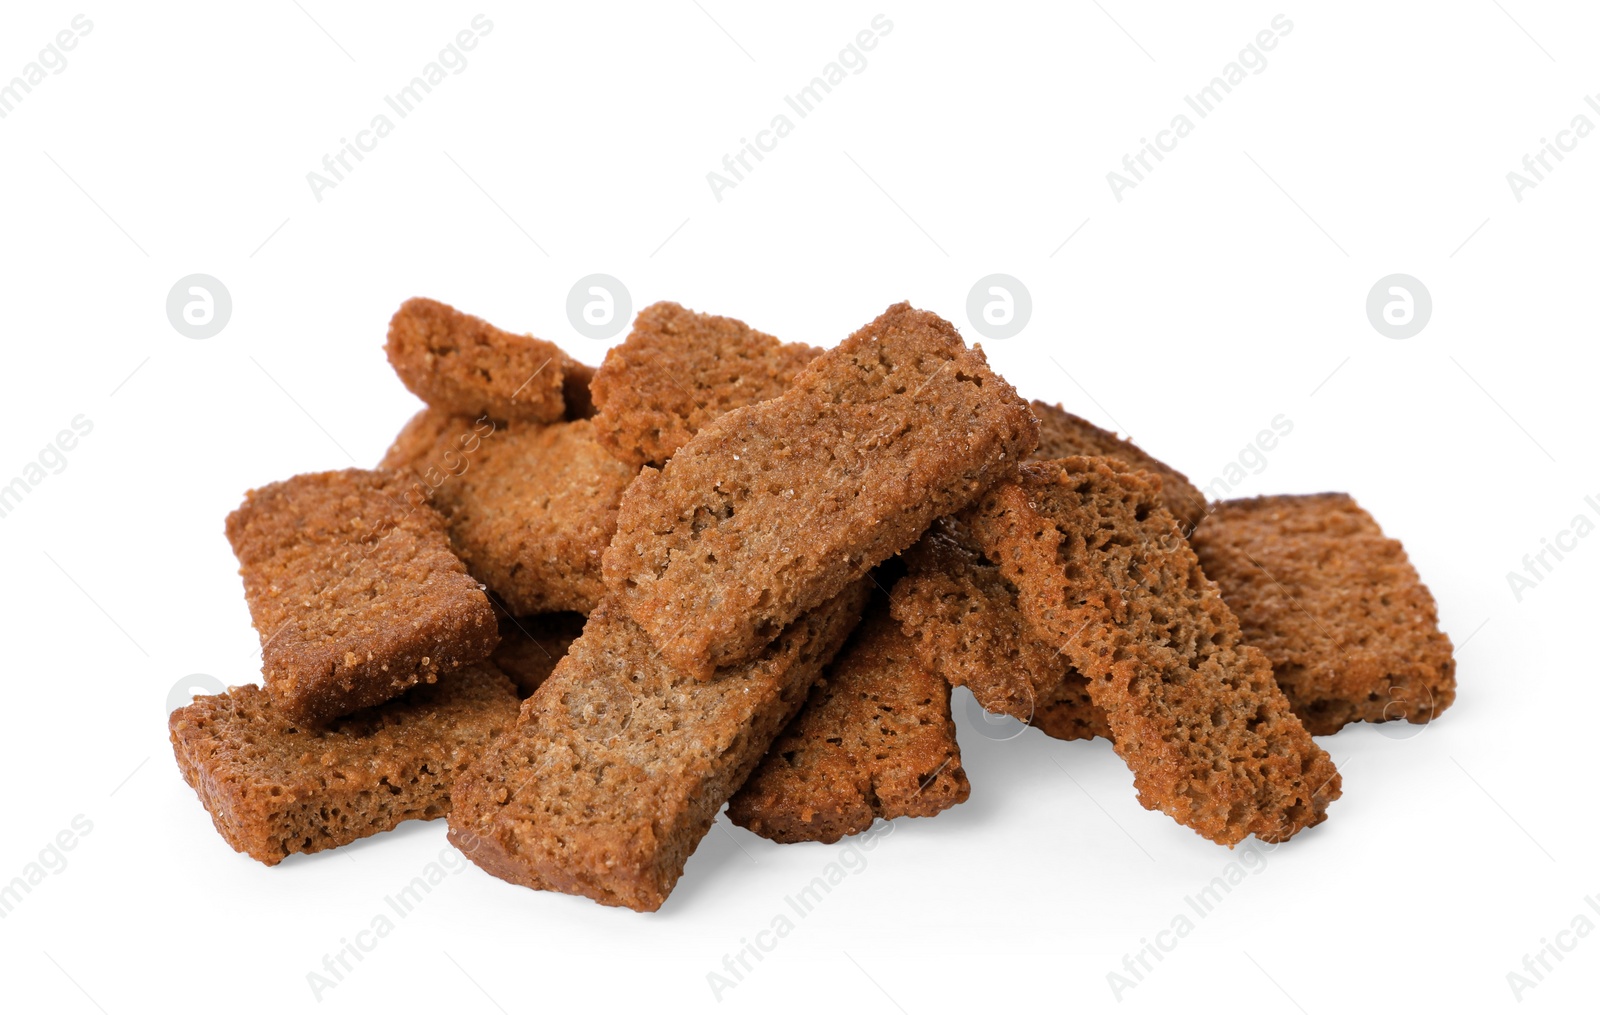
[961,616]
[1102,566]
[354,591]
[275,786]
[679,370]
[530,506]
[1352,633]
[875,740]
[464,365]
[620,763]
[1063,435]
[775,507]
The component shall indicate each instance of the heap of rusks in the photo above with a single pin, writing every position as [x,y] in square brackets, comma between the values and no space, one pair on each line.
[577,610]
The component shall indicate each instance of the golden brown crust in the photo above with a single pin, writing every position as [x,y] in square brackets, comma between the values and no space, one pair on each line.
[530,507]
[776,507]
[354,591]
[1063,435]
[874,740]
[962,617]
[619,764]
[1103,567]
[679,370]
[530,647]
[275,786]
[466,366]
[1352,633]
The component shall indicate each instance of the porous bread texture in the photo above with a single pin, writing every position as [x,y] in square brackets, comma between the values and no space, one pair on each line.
[466,366]
[618,766]
[1067,712]
[1063,435]
[1352,633]
[774,508]
[276,786]
[961,615]
[354,591]
[575,380]
[1102,567]
[530,507]
[530,647]
[874,740]
[677,371]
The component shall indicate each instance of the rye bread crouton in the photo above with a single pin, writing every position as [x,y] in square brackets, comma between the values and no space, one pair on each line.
[774,508]
[354,590]
[275,786]
[1102,566]
[677,371]
[874,740]
[1352,633]
[619,764]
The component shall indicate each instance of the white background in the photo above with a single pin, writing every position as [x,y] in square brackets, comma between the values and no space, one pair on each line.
[1227,288]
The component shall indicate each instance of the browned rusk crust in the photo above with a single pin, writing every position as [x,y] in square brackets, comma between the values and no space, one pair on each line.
[874,740]
[677,371]
[1063,435]
[1102,565]
[275,786]
[468,367]
[1352,633]
[530,507]
[354,591]
[962,617]
[618,766]
[774,508]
